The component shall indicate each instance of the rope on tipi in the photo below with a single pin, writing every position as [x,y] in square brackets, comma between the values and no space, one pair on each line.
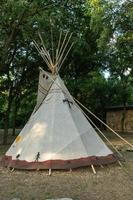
[103,123]
[94,125]
[95,117]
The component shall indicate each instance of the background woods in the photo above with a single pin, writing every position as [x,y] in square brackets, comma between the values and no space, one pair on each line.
[98,70]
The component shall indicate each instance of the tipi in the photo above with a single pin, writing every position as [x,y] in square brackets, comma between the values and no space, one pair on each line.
[57,135]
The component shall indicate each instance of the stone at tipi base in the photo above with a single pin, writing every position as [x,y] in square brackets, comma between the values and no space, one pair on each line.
[60,199]
[16,199]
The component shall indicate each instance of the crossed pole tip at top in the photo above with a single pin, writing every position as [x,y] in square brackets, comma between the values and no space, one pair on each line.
[63,48]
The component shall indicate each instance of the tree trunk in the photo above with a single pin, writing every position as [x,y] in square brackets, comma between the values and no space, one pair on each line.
[14,123]
[123,119]
[5,128]
[6,119]
[14,118]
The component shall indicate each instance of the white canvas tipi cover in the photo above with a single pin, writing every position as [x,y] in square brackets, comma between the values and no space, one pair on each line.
[57,136]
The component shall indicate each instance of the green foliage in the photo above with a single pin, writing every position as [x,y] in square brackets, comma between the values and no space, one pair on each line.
[103,37]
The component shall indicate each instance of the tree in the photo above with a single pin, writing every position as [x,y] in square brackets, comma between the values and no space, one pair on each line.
[114,22]
[19,25]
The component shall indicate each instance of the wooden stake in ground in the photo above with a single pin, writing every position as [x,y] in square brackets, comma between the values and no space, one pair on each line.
[50,172]
[93,169]
[120,163]
[70,170]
